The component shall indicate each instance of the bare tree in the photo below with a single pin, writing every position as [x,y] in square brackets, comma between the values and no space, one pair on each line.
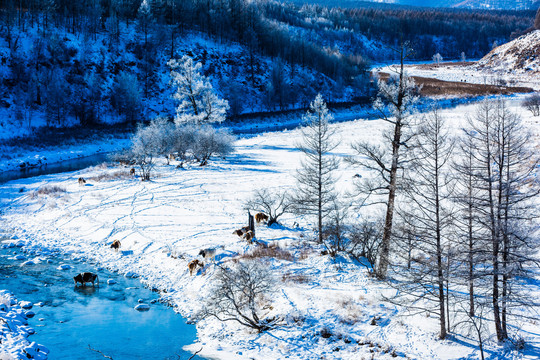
[394,104]
[315,191]
[470,234]
[148,143]
[428,216]
[242,294]
[504,167]
[275,203]
[532,103]
[365,241]
[209,142]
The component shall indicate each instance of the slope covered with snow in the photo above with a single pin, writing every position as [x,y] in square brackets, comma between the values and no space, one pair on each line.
[521,55]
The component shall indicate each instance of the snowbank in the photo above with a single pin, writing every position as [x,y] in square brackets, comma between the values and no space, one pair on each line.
[14,330]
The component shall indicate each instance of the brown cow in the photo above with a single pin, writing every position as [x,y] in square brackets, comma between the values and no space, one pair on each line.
[82,181]
[116,245]
[192,266]
[85,277]
[132,171]
[260,217]
[248,236]
[238,232]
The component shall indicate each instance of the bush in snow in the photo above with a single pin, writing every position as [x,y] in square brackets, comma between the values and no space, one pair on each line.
[272,202]
[162,138]
[365,240]
[241,294]
[532,103]
[209,142]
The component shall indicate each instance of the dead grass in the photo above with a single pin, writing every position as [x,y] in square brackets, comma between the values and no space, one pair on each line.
[48,190]
[110,176]
[436,87]
[295,278]
[350,311]
[434,66]
[268,251]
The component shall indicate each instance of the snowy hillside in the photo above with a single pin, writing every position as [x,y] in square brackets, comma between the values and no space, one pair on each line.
[521,55]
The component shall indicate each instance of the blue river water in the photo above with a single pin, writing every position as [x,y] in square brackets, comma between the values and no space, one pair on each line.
[102,317]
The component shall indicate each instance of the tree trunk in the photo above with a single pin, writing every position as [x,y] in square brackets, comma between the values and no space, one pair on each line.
[385,245]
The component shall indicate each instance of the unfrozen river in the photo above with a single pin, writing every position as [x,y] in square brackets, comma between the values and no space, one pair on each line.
[72,318]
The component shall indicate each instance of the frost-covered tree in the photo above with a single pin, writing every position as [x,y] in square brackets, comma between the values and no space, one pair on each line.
[394,104]
[199,103]
[148,143]
[437,58]
[315,194]
[56,105]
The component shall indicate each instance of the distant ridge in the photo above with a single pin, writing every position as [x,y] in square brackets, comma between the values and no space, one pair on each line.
[461,4]
[521,55]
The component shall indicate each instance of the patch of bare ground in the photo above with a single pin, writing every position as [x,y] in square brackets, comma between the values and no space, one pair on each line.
[434,66]
[436,87]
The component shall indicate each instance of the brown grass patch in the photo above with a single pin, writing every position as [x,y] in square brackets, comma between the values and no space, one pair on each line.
[109,176]
[48,190]
[434,66]
[270,251]
[295,278]
[436,87]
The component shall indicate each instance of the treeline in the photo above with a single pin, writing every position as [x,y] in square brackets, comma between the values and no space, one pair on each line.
[447,31]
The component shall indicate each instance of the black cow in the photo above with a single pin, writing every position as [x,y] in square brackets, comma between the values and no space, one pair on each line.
[85,277]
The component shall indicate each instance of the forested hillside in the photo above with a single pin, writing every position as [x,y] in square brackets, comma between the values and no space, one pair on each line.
[91,61]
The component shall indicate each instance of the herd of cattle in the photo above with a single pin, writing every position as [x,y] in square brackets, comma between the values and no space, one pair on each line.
[247,233]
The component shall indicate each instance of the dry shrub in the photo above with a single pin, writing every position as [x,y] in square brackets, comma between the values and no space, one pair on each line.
[49,190]
[110,176]
[269,251]
[350,311]
[295,278]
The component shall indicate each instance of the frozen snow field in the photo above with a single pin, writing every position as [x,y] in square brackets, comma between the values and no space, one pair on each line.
[162,225]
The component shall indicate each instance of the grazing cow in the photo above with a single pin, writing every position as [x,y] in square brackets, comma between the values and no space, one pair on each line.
[85,277]
[260,217]
[192,266]
[82,181]
[208,254]
[248,236]
[132,171]
[116,245]
[238,232]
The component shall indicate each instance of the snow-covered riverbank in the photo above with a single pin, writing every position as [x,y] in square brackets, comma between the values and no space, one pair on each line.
[14,330]
[329,309]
